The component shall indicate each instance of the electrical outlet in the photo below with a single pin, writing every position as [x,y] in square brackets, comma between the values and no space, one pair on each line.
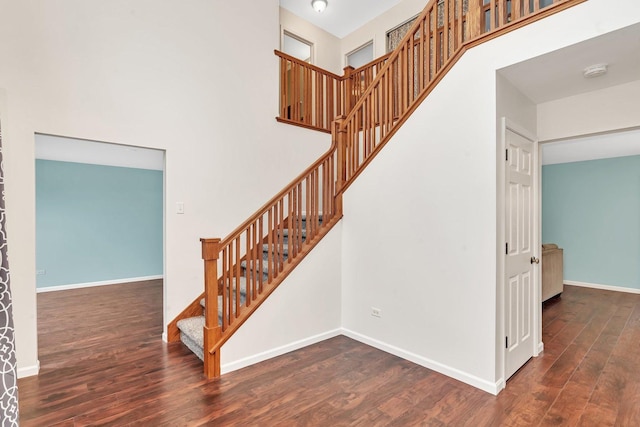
[376,312]
[41,272]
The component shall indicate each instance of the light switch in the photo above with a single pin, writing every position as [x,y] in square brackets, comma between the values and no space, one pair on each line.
[179,207]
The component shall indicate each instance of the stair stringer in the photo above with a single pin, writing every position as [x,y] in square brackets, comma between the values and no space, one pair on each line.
[303,309]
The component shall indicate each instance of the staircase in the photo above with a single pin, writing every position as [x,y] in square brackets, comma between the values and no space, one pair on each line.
[244,268]
[192,328]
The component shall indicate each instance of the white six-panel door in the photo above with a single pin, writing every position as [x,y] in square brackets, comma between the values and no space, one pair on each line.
[521,253]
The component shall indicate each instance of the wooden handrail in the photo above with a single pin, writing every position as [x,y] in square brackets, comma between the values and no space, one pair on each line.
[440,36]
[306,64]
[374,63]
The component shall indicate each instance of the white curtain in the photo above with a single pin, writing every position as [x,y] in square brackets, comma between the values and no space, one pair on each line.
[8,380]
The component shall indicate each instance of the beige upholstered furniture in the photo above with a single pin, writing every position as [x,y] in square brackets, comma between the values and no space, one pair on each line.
[552,278]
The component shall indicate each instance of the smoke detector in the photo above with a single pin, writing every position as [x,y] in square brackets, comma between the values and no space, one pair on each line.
[594,70]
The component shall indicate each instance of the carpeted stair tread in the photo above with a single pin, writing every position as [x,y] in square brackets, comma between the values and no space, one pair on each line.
[243,291]
[192,335]
[265,263]
[285,233]
[285,249]
[191,329]
[303,218]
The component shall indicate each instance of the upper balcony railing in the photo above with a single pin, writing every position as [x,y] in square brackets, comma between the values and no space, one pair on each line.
[312,97]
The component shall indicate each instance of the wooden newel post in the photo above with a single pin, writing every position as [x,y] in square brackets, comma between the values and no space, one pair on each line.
[212,330]
[339,136]
[349,96]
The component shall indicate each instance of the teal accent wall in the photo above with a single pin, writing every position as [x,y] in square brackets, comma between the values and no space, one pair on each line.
[592,210]
[97,223]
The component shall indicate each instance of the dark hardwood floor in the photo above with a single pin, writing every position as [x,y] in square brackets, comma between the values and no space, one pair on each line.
[103,363]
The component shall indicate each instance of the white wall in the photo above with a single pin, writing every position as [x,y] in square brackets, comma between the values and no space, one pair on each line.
[326,46]
[151,73]
[303,310]
[514,105]
[419,232]
[603,110]
[377,28]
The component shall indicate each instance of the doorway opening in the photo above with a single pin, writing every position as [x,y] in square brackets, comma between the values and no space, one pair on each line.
[99,214]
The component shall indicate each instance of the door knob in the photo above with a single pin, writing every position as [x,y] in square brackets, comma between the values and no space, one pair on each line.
[535,260]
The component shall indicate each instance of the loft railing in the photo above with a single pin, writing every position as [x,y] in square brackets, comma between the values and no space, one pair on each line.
[312,97]
[238,278]
[309,96]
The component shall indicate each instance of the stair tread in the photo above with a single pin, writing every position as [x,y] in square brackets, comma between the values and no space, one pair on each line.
[265,263]
[192,328]
[243,290]
[285,248]
[192,334]
[285,233]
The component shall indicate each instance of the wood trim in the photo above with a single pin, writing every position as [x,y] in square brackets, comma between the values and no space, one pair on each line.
[373,63]
[192,310]
[306,64]
[523,21]
[302,125]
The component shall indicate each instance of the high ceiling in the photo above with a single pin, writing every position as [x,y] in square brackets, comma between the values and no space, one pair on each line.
[341,16]
[559,74]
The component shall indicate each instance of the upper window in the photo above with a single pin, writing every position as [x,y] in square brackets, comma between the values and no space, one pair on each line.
[297,47]
[395,35]
[361,56]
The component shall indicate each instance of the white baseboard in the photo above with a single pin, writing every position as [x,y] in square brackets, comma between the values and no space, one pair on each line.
[603,287]
[29,371]
[278,351]
[540,347]
[472,380]
[91,284]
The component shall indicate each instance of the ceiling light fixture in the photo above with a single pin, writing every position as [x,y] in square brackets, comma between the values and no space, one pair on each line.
[319,5]
[594,70]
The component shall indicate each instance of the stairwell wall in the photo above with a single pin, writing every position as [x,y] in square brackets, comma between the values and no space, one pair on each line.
[420,225]
[303,310]
[184,77]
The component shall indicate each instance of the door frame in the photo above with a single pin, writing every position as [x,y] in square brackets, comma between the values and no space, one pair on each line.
[536,309]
